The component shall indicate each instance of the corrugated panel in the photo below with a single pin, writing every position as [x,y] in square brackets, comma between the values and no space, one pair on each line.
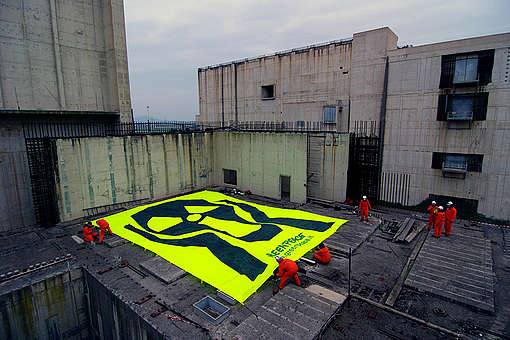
[315,165]
[395,187]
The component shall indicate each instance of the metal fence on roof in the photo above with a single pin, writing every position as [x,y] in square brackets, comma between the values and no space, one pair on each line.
[52,129]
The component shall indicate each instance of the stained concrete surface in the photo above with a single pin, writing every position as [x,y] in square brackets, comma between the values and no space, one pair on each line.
[360,320]
[376,265]
[114,241]
[162,269]
[293,313]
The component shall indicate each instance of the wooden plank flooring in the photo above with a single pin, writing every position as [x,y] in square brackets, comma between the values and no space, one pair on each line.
[458,267]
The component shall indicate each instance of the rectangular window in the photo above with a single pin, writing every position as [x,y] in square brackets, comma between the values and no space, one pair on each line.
[473,68]
[230,176]
[466,69]
[268,92]
[474,163]
[285,188]
[454,161]
[462,107]
[330,114]
[300,123]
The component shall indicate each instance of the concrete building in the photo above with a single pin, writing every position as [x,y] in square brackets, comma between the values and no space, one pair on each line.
[64,56]
[63,72]
[438,113]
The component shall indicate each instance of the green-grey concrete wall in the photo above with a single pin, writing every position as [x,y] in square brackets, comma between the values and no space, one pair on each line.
[328,160]
[260,159]
[16,208]
[54,308]
[98,171]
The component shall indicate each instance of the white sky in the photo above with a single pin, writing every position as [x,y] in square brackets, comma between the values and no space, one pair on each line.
[169,39]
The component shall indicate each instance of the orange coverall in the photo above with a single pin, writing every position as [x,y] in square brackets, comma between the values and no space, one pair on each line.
[104,226]
[323,255]
[88,233]
[438,223]
[288,268]
[431,209]
[363,207]
[450,214]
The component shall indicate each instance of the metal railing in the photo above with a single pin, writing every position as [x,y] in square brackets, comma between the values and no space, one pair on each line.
[54,129]
[296,126]
[459,115]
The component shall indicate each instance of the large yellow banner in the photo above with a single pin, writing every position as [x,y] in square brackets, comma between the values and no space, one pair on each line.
[224,241]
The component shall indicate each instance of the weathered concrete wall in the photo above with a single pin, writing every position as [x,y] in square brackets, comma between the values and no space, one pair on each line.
[64,55]
[111,318]
[347,75]
[105,170]
[55,308]
[413,132]
[260,159]
[304,81]
[16,209]
[369,51]
[328,160]
[71,305]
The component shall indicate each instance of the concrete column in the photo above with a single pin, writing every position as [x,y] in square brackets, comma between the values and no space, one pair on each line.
[56,52]
[2,98]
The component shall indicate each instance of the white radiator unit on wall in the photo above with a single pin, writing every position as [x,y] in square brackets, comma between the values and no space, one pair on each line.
[395,187]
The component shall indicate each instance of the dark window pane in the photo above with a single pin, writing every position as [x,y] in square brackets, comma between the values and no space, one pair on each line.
[330,114]
[437,160]
[455,161]
[268,92]
[441,107]
[480,106]
[475,163]
[460,71]
[461,108]
[466,69]
[230,176]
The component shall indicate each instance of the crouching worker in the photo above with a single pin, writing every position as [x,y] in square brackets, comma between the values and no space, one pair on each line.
[88,232]
[104,227]
[287,269]
[322,254]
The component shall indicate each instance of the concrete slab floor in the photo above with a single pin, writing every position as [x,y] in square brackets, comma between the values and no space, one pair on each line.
[376,266]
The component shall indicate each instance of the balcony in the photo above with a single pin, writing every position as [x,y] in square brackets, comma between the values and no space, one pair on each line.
[455,166]
[459,120]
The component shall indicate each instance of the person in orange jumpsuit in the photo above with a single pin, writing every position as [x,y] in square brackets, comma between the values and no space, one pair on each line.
[88,232]
[438,223]
[322,254]
[364,205]
[450,215]
[104,227]
[287,269]
[431,209]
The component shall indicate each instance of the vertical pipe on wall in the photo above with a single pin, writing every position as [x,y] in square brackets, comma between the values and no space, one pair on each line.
[382,124]
[235,92]
[222,101]
[56,52]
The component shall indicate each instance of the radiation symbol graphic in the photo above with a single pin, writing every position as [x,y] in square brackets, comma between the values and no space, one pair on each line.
[226,242]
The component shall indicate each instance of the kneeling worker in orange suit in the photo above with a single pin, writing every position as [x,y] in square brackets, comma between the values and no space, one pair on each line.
[431,209]
[438,223]
[364,205]
[88,232]
[322,254]
[450,215]
[287,269]
[104,227]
